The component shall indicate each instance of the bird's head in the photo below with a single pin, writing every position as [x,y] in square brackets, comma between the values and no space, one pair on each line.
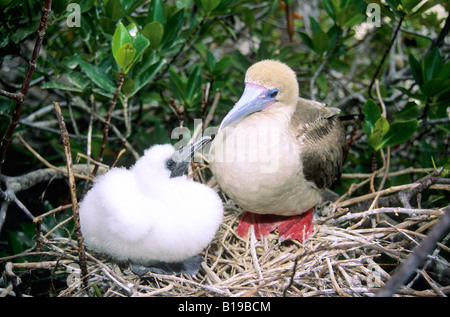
[162,161]
[179,160]
[268,83]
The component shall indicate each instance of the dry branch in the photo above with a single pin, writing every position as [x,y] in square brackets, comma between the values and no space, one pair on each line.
[21,96]
[67,151]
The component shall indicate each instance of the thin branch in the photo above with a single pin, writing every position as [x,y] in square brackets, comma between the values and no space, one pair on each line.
[417,257]
[76,218]
[107,120]
[380,65]
[20,97]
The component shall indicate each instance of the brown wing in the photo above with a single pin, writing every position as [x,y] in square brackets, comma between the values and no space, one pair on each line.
[322,142]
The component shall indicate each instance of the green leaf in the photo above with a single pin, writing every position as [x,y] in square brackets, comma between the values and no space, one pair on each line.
[114,10]
[60,86]
[435,87]
[173,29]
[307,40]
[223,64]
[144,77]
[329,8]
[194,84]
[125,56]
[416,69]
[98,77]
[409,5]
[210,61]
[446,169]
[156,12]
[320,41]
[177,85]
[410,111]
[431,65]
[154,31]
[372,114]
[378,133]
[210,5]
[400,132]
[121,36]
[140,43]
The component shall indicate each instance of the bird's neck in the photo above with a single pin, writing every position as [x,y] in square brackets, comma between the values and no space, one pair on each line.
[282,112]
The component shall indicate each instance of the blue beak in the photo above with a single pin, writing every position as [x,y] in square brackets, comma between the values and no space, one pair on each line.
[254,98]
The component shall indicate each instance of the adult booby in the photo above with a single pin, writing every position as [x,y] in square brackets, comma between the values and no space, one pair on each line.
[276,153]
[152,215]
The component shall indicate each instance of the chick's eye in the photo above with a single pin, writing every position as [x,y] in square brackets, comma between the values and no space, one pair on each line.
[273,93]
[170,164]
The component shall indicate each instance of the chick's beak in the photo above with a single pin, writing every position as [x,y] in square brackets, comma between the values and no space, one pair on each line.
[183,157]
[253,99]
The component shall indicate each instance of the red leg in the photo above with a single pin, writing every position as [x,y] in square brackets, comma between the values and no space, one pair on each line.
[297,227]
[263,224]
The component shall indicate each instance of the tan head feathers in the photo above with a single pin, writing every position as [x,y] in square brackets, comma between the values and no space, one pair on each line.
[272,74]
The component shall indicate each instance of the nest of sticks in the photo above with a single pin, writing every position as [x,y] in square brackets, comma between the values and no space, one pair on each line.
[352,252]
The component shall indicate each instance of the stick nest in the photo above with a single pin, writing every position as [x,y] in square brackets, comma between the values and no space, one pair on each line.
[348,254]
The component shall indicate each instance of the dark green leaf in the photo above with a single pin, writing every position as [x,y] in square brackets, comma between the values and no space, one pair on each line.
[416,69]
[371,112]
[113,9]
[98,77]
[154,31]
[210,61]
[194,84]
[60,86]
[156,12]
[410,111]
[431,65]
[146,76]
[307,40]
[400,132]
[320,42]
[210,5]
[177,85]
[173,29]
[409,5]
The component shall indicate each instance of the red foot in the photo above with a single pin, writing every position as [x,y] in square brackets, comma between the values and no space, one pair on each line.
[297,227]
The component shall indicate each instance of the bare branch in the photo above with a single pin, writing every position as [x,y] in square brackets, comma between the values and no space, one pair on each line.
[20,97]
[66,142]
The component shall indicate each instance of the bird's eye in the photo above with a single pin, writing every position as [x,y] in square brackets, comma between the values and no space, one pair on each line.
[170,164]
[273,93]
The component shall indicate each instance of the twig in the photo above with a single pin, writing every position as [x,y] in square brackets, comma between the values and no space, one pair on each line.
[107,120]
[178,110]
[46,163]
[423,184]
[253,252]
[20,97]
[408,170]
[76,217]
[210,115]
[417,257]
[394,210]
[377,72]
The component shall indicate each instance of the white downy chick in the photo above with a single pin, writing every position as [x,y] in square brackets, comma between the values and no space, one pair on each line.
[151,213]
